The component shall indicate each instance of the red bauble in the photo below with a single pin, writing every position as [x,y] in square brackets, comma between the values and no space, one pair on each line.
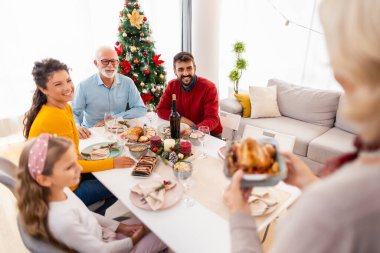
[147,41]
[119,29]
[121,13]
[135,61]
[127,3]
[145,52]
[146,72]
[145,19]
[137,4]
[117,43]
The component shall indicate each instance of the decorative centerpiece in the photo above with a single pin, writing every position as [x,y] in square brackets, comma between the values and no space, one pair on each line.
[172,150]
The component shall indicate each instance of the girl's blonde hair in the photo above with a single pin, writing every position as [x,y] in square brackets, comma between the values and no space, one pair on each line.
[353,40]
[32,198]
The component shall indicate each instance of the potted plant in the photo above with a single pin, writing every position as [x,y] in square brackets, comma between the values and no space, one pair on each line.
[240,65]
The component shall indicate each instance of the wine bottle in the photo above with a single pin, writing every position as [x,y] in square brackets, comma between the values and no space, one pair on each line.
[175,119]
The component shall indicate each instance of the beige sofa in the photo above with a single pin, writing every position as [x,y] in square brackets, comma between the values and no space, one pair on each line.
[313,116]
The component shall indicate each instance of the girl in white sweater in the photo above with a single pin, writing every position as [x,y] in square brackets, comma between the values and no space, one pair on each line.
[51,212]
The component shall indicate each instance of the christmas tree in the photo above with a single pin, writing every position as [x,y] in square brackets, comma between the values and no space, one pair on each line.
[137,56]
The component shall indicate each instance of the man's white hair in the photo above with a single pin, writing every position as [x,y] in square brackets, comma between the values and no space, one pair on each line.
[100,49]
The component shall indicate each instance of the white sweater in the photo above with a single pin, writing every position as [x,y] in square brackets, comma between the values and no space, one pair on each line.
[71,223]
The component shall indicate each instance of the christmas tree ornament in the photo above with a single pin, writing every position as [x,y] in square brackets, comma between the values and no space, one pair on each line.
[117,43]
[133,49]
[137,4]
[156,60]
[146,72]
[135,61]
[153,89]
[119,29]
[119,50]
[136,19]
[145,52]
[121,13]
[142,34]
[162,76]
[142,84]
[173,157]
[125,34]
[155,73]
[145,19]
[127,3]
[147,41]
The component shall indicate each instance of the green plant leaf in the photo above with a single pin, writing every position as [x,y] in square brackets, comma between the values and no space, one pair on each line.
[241,63]
[234,75]
[239,47]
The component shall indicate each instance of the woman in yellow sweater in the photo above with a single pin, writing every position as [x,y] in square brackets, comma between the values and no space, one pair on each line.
[51,113]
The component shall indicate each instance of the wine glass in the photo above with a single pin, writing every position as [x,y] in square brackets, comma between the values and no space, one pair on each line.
[109,124]
[151,113]
[183,172]
[205,131]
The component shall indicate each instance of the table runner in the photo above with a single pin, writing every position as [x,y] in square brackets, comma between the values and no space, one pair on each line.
[209,183]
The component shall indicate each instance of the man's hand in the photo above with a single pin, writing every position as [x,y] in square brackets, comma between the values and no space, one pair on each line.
[299,174]
[123,162]
[235,197]
[100,124]
[187,121]
[128,230]
[84,133]
[137,235]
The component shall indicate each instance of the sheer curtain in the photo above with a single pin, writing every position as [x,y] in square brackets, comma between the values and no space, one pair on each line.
[69,31]
[273,50]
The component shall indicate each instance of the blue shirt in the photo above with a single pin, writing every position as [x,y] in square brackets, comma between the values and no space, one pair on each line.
[92,99]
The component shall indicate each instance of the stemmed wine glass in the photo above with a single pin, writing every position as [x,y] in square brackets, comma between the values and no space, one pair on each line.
[109,123]
[183,174]
[151,113]
[205,131]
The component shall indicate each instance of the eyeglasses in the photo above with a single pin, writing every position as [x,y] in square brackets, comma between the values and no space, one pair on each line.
[105,62]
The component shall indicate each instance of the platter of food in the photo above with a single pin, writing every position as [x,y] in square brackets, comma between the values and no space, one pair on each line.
[260,160]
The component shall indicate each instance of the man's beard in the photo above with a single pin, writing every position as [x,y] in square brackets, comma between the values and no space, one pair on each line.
[188,84]
[104,73]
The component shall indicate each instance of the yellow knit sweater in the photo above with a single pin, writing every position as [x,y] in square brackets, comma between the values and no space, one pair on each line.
[57,121]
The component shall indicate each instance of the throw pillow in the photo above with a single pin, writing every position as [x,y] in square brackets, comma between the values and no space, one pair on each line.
[245,102]
[264,102]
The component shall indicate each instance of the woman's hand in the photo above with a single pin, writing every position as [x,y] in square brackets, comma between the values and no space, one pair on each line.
[299,174]
[123,162]
[235,197]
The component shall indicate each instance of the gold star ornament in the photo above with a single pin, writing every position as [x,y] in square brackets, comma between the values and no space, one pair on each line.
[136,19]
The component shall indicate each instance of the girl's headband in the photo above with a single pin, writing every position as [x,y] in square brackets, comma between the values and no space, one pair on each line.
[37,155]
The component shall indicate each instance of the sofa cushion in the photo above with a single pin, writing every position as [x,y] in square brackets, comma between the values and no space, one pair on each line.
[303,131]
[341,121]
[333,143]
[231,105]
[306,104]
[245,102]
[263,102]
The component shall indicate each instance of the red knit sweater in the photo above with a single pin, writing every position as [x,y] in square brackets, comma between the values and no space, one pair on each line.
[200,105]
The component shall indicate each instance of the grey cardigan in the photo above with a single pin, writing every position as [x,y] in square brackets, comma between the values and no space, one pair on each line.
[338,214]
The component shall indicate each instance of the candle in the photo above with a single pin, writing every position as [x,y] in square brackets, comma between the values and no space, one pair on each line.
[169,144]
[185,147]
[155,141]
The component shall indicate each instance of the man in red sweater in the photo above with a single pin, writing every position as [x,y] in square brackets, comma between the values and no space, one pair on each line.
[197,97]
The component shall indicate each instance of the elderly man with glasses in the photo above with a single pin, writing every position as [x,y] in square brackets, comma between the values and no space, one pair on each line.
[105,91]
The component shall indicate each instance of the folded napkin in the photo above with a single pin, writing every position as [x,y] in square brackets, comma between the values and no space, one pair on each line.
[100,153]
[262,202]
[153,192]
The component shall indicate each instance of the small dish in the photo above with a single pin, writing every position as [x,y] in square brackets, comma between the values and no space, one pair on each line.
[138,150]
[114,152]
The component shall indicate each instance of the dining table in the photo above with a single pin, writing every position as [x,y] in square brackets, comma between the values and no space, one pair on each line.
[201,227]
